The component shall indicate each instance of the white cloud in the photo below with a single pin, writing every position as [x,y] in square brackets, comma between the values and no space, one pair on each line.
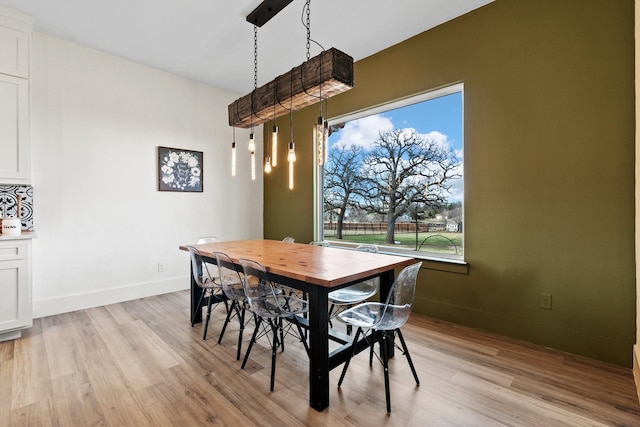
[364,131]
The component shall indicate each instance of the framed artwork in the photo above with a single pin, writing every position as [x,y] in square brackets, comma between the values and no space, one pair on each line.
[179,170]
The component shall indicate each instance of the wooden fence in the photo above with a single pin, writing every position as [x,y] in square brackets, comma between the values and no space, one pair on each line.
[381,227]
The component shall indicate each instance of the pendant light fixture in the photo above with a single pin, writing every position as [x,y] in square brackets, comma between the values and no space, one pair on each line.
[273,149]
[325,135]
[274,133]
[320,134]
[233,153]
[291,155]
[314,81]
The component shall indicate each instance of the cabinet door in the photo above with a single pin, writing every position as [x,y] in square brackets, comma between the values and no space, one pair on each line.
[15,288]
[15,39]
[14,52]
[14,130]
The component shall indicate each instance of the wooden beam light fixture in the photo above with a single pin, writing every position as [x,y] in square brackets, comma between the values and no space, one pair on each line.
[329,73]
[314,81]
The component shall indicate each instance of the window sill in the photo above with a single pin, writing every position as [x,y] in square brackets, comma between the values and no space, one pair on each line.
[429,261]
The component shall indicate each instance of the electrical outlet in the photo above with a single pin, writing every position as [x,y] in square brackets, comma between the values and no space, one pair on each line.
[160,267]
[544,301]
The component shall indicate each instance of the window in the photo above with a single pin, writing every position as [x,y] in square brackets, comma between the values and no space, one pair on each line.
[394,177]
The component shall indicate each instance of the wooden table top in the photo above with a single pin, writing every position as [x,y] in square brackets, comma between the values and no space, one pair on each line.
[324,266]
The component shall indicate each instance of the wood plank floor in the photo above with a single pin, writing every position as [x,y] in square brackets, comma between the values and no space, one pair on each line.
[140,363]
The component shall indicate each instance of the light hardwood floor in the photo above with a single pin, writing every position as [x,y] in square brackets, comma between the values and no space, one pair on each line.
[140,363]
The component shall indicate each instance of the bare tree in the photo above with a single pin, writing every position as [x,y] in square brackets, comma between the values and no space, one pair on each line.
[405,169]
[341,181]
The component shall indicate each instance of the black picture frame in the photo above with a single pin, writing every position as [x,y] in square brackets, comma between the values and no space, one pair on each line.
[180,170]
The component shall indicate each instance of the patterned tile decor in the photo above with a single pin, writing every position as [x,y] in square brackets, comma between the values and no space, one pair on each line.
[9,203]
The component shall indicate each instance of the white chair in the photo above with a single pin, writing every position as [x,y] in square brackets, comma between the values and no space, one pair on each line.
[344,298]
[289,239]
[383,320]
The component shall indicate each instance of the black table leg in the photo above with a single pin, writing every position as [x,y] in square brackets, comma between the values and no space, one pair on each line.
[196,308]
[318,347]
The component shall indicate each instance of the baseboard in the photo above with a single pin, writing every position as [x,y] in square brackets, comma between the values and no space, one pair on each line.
[636,369]
[68,303]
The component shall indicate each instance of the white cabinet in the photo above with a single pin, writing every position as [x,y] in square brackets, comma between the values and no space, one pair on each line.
[15,51]
[14,46]
[14,130]
[15,288]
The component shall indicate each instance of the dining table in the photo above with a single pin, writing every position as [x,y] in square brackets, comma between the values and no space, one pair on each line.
[316,271]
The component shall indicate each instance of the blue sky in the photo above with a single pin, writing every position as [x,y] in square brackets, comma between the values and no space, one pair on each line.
[442,114]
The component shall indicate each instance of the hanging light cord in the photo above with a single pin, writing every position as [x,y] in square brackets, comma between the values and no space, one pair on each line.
[255,57]
[306,10]
[255,70]
[307,24]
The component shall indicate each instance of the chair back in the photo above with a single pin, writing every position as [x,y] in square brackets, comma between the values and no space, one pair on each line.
[400,300]
[200,269]
[208,239]
[367,248]
[319,243]
[374,283]
[259,289]
[289,239]
[230,278]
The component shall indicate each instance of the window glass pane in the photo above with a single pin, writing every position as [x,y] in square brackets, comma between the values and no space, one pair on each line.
[394,177]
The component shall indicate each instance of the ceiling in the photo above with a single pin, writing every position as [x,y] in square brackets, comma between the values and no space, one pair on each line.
[211,41]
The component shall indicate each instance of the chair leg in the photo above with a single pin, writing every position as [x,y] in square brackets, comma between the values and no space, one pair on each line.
[281,333]
[406,353]
[258,321]
[241,318]
[385,364]
[374,337]
[227,318]
[329,315]
[302,337]
[346,363]
[305,314]
[274,352]
[206,324]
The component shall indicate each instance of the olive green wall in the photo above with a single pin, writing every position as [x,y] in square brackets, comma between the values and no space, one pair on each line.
[549,168]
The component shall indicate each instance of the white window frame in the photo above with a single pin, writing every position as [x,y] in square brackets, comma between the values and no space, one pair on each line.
[439,262]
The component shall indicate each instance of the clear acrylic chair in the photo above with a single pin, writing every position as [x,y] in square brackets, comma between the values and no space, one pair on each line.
[320,243]
[270,308]
[289,239]
[211,288]
[208,239]
[231,283]
[213,268]
[378,322]
[344,298]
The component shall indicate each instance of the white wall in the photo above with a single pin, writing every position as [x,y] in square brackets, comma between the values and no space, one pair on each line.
[102,226]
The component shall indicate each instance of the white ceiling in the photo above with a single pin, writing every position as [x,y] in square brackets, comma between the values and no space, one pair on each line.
[211,41]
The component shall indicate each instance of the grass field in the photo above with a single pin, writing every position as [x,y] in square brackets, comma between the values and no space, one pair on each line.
[442,242]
